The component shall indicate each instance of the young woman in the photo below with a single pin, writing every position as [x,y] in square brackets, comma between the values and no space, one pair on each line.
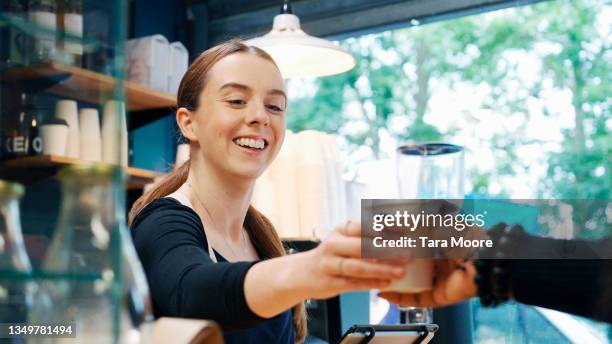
[206,251]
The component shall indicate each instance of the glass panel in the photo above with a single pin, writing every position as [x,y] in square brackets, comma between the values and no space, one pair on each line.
[62,104]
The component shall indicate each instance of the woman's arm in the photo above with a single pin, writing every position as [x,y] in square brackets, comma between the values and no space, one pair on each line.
[275,285]
[185,282]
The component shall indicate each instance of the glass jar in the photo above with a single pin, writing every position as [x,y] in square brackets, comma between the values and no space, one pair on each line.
[15,267]
[94,280]
[43,13]
[73,25]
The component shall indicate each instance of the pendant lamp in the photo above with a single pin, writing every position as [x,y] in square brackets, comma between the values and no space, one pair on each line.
[298,54]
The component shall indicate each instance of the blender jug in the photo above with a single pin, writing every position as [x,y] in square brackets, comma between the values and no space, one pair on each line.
[428,171]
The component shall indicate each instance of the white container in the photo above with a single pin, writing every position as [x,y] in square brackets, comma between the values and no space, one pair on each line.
[44,43]
[68,111]
[114,134]
[177,66]
[90,140]
[73,25]
[147,60]
[54,138]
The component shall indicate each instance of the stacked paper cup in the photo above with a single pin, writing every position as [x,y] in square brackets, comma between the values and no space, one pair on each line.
[312,188]
[284,174]
[114,134]
[90,140]
[68,111]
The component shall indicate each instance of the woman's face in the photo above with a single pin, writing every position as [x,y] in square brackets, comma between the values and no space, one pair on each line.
[240,121]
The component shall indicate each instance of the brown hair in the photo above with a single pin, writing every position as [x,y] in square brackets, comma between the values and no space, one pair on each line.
[261,231]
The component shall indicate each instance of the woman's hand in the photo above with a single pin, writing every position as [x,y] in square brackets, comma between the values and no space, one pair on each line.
[275,285]
[335,266]
[453,283]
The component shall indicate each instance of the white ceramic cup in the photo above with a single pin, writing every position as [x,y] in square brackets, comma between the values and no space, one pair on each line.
[90,140]
[55,138]
[68,111]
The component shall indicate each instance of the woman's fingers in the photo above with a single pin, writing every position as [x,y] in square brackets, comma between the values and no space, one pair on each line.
[356,268]
[346,240]
[350,229]
[343,246]
[362,283]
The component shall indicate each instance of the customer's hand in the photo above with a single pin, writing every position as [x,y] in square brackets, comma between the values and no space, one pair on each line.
[453,283]
[335,266]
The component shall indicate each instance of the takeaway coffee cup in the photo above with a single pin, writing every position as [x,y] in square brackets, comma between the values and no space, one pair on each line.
[418,277]
[419,269]
[54,134]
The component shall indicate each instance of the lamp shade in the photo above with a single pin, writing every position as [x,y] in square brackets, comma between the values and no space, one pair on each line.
[298,54]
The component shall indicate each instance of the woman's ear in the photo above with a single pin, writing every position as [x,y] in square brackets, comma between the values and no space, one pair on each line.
[184,119]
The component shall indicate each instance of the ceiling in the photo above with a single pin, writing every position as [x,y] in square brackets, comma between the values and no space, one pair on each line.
[218,20]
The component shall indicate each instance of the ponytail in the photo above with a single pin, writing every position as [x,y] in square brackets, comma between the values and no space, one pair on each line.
[266,241]
[170,183]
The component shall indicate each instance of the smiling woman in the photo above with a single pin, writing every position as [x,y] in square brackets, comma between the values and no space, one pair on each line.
[206,251]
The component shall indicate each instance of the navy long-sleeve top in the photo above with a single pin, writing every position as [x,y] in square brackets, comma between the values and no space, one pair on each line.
[185,282]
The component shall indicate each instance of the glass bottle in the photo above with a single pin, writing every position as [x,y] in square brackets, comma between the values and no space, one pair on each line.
[34,119]
[97,283]
[24,137]
[15,289]
[21,134]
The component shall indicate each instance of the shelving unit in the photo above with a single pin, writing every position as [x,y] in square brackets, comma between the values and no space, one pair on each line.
[85,85]
[88,86]
[32,168]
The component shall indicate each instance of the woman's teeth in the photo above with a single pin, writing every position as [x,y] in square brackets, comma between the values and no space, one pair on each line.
[251,143]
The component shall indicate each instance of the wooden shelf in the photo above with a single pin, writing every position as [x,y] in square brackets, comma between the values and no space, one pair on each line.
[85,85]
[32,168]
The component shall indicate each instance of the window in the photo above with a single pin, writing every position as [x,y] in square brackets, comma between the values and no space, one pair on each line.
[525,90]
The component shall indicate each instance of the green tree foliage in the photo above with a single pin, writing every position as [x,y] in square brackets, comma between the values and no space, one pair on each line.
[584,167]
[398,71]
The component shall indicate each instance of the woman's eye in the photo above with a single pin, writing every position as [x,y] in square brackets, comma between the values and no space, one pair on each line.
[274,108]
[236,102]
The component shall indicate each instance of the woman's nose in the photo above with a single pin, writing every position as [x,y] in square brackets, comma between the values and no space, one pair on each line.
[258,114]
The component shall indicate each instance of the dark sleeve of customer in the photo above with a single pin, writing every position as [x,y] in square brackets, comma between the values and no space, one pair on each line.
[183,279]
[578,286]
